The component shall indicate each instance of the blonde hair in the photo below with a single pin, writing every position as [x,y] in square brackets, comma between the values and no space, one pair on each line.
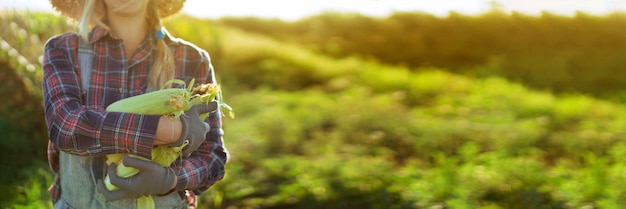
[163,66]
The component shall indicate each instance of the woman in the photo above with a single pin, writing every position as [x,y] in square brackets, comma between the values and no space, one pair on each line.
[130,54]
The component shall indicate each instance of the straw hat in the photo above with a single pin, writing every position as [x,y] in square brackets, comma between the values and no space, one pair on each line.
[74,8]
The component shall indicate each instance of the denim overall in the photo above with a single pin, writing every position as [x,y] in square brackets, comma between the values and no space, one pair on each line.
[78,184]
[79,174]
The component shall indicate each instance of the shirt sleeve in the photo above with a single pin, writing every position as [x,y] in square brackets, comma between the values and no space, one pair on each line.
[77,129]
[206,165]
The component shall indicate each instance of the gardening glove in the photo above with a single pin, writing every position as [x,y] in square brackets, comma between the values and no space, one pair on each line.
[194,129]
[151,179]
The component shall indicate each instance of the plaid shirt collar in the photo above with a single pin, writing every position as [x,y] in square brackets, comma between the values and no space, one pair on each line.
[99,32]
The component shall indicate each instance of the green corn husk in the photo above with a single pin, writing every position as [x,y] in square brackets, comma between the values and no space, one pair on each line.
[165,155]
[161,102]
[145,202]
[166,101]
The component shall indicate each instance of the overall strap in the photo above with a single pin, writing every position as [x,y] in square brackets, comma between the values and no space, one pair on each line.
[85,60]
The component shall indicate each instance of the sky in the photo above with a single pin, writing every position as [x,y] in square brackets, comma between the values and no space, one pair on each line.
[296,9]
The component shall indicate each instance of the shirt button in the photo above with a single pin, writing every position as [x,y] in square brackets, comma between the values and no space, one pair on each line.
[121,91]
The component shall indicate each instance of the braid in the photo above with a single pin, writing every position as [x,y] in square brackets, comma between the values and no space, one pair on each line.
[163,66]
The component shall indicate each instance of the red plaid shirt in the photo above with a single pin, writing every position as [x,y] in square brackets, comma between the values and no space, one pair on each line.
[83,127]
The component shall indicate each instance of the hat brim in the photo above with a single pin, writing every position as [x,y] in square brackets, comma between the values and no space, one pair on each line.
[74,8]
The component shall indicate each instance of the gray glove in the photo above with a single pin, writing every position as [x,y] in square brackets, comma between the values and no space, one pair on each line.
[151,179]
[194,129]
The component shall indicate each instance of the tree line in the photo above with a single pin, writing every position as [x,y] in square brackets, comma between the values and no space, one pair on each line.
[581,53]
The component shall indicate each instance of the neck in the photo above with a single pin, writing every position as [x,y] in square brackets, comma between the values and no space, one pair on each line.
[131,30]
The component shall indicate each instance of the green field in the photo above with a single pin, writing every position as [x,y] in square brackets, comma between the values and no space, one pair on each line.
[325,119]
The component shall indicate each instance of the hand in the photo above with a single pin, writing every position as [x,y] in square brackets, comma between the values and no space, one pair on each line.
[151,179]
[194,129]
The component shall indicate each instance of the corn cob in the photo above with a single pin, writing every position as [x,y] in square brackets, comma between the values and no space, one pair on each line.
[166,101]
[162,102]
